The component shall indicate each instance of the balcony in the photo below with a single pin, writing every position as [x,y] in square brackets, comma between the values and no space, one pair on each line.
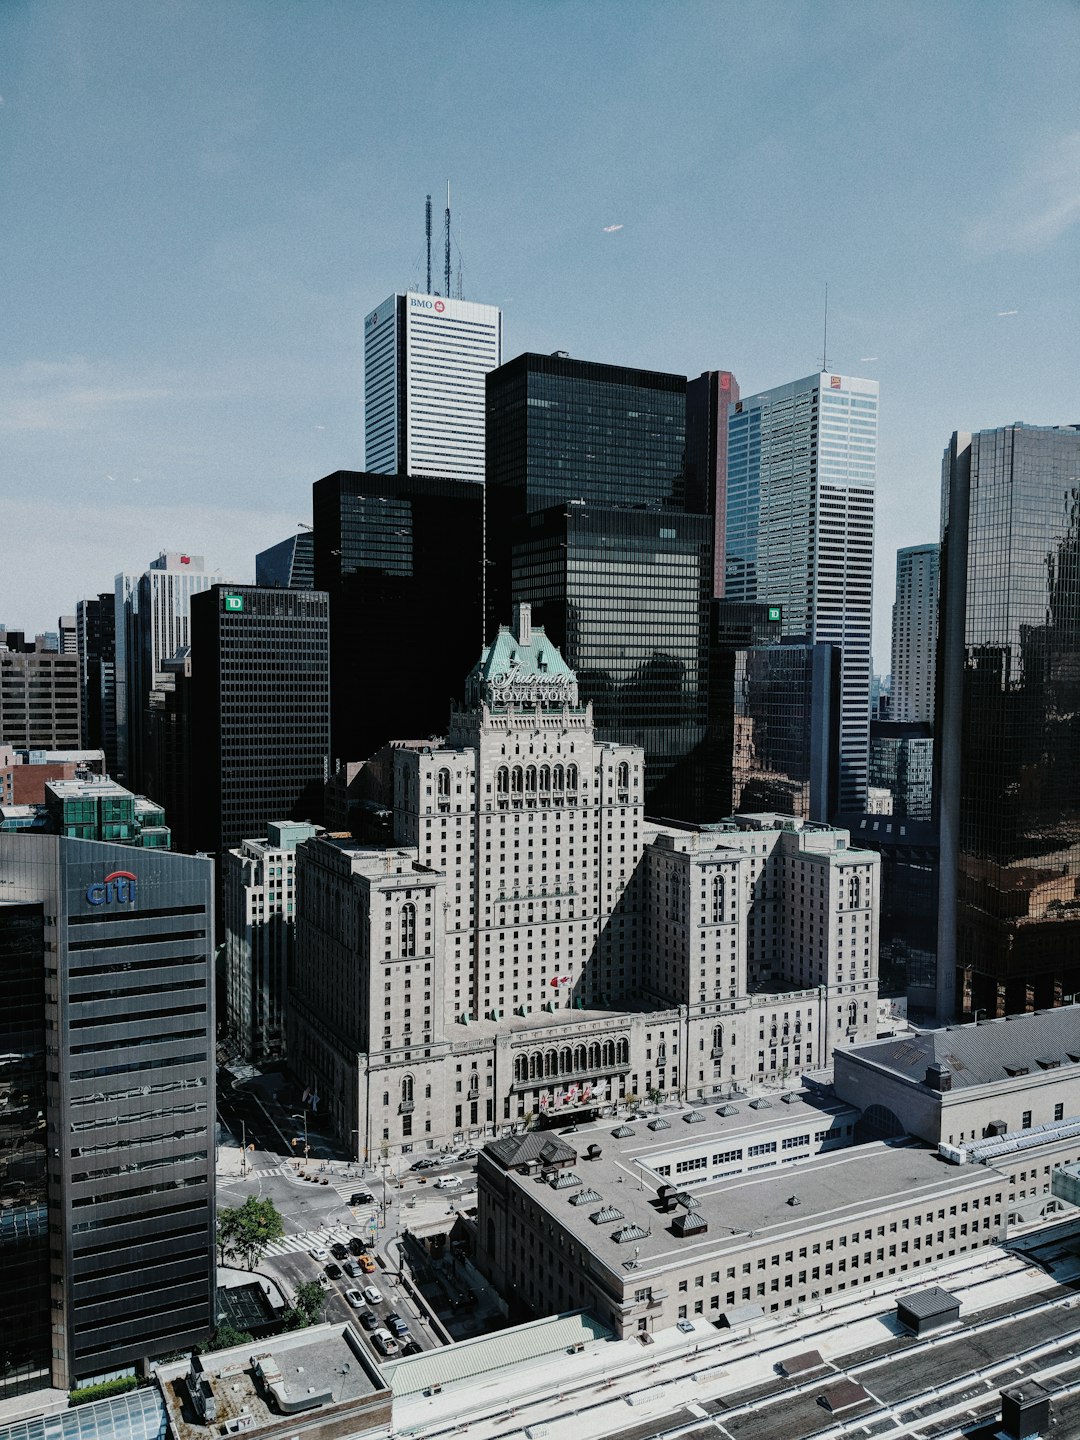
[406,1107]
[717,1052]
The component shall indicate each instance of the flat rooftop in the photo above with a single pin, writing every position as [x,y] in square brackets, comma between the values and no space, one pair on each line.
[845,1186]
[328,1361]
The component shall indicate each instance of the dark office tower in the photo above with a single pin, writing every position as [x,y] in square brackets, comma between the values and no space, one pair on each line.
[1007,743]
[260,710]
[107,1166]
[401,557]
[39,700]
[289,565]
[625,596]
[601,448]
[67,635]
[95,633]
[167,728]
[707,401]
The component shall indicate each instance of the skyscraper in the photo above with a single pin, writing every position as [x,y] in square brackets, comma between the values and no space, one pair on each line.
[425,358]
[914,634]
[260,710]
[709,399]
[39,700]
[152,615]
[800,531]
[1007,743]
[107,1161]
[289,565]
[95,625]
[400,557]
[586,521]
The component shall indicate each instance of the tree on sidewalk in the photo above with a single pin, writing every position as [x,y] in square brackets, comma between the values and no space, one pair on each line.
[246,1231]
[309,1301]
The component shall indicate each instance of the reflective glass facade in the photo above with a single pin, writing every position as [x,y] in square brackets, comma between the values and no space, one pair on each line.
[783,752]
[25,1312]
[625,595]
[401,559]
[800,530]
[1008,739]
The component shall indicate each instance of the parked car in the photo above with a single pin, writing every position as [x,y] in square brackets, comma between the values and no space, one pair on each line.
[355,1299]
[333,1272]
[319,1252]
[395,1323]
[362,1197]
[412,1348]
[384,1342]
[367,1264]
[372,1296]
[469,1154]
[339,1251]
[429,1164]
[448,1182]
[368,1319]
[353,1268]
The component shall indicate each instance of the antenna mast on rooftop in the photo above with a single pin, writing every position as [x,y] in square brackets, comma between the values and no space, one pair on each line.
[427,218]
[447,290]
[825,336]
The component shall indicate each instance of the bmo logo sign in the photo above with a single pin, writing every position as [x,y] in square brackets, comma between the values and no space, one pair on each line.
[119,888]
[418,302]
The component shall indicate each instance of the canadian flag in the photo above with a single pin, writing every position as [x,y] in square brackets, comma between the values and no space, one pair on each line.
[185,559]
[557,980]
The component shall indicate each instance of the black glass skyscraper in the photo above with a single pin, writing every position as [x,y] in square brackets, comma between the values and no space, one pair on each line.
[260,710]
[586,520]
[401,559]
[1007,747]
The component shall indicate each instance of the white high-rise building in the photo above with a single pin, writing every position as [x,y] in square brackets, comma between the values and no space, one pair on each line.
[152,620]
[802,469]
[914,633]
[425,358]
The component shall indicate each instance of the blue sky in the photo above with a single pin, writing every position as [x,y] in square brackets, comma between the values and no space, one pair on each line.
[203,199]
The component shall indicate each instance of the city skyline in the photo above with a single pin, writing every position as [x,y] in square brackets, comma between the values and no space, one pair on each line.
[198,333]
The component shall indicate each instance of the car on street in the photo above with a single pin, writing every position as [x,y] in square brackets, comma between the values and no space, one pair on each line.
[367,1264]
[395,1323]
[368,1319]
[384,1342]
[339,1251]
[352,1267]
[448,1182]
[333,1272]
[372,1296]
[412,1348]
[430,1163]
[355,1299]
[357,1247]
[469,1154]
[362,1197]
[319,1252]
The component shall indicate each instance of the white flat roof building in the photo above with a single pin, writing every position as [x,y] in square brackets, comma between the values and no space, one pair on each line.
[425,359]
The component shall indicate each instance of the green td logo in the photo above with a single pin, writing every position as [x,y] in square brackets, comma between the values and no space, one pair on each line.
[775,612]
[236,602]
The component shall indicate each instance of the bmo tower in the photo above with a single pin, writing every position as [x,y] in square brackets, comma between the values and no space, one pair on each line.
[107,1126]
[425,358]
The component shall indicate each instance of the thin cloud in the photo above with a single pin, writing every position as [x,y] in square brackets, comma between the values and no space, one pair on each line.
[610,229]
[1038,209]
[1007,312]
[865,359]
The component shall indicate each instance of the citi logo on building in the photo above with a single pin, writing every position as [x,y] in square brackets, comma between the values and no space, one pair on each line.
[116,889]
[416,303]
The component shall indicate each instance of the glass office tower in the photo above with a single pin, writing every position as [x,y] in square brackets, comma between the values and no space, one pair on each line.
[1008,735]
[802,461]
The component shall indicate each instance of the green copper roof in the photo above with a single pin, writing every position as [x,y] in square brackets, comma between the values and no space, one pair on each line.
[522,667]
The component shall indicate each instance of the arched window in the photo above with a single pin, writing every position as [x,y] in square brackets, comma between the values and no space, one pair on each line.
[407,1090]
[853,1013]
[408,929]
[718,1037]
[557,778]
[444,785]
[571,777]
[536,1066]
[594,1056]
[521,1069]
[545,785]
[551,1063]
[516,783]
[854,892]
[719,895]
[609,1054]
[502,786]
[581,1057]
[622,780]
[530,785]
[566,1061]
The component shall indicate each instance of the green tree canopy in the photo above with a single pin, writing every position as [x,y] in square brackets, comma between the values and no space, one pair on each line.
[246,1231]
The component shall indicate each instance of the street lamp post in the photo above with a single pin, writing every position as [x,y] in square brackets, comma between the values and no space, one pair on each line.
[307,1149]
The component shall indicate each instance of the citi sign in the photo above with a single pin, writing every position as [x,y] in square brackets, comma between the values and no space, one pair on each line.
[116,889]
[416,303]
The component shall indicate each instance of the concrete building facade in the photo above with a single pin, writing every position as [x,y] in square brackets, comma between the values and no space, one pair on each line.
[914,634]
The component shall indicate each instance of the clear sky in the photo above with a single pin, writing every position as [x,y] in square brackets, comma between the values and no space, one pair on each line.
[202,198]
